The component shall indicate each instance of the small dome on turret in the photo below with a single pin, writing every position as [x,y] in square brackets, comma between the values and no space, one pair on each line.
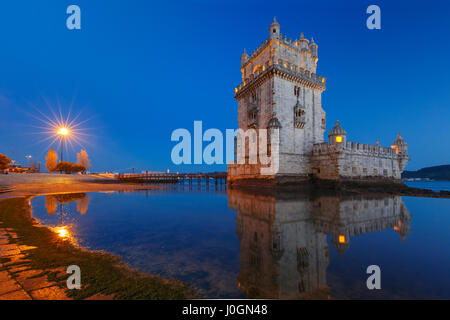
[302,38]
[274,29]
[399,141]
[341,248]
[337,135]
[401,147]
[275,23]
[244,55]
[303,42]
[244,58]
[274,123]
[313,47]
[337,130]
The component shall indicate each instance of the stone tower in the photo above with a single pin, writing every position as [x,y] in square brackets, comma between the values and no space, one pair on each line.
[280,86]
[282,93]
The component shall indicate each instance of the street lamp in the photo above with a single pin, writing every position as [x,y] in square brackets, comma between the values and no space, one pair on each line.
[62,132]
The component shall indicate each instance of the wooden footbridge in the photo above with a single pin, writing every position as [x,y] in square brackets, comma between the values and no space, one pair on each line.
[182,178]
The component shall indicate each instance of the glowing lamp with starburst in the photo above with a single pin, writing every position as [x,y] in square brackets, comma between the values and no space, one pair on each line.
[63,131]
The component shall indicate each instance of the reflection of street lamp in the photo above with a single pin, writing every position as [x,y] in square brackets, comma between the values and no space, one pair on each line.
[62,230]
[62,132]
[61,213]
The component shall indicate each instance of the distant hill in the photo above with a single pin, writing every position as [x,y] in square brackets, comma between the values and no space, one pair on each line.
[434,173]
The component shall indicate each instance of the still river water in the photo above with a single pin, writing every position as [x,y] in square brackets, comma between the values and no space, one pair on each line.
[236,244]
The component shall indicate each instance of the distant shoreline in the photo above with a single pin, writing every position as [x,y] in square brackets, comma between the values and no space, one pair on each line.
[436,173]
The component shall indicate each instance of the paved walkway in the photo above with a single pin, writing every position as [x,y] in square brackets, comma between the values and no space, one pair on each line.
[17,280]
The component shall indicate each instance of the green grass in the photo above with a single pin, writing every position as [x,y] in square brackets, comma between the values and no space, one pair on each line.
[101,272]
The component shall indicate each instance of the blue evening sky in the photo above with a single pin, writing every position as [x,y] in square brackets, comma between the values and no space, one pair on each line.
[137,70]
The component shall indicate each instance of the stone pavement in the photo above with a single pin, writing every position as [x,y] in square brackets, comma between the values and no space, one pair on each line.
[17,280]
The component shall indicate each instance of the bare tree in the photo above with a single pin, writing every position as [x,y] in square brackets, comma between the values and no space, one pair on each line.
[83,159]
[51,160]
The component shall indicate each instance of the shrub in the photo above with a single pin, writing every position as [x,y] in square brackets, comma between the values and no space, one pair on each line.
[69,167]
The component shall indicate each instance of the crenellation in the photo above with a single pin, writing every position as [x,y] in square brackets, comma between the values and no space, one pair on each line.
[291,69]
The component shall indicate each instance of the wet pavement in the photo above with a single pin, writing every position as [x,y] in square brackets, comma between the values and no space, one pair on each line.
[17,280]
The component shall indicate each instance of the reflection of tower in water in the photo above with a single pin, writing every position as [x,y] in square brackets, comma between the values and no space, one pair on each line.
[284,251]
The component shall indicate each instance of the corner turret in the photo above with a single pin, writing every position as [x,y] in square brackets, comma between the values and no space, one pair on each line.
[401,148]
[244,58]
[341,241]
[303,43]
[274,30]
[337,135]
[313,48]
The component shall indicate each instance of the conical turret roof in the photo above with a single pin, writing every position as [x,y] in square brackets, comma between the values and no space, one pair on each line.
[399,141]
[274,23]
[337,130]
[274,123]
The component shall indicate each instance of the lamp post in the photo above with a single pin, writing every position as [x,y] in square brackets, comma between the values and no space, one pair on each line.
[62,132]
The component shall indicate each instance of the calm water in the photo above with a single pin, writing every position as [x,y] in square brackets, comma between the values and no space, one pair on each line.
[235,244]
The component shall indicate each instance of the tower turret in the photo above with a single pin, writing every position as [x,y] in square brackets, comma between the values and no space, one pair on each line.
[337,135]
[303,43]
[274,123]
[313,48]
[403,226]
[274,30]
[401,148]
[341,241]
[244,58]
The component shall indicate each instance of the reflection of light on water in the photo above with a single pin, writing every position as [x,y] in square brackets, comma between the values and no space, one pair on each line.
[341,238]
[399,226]
[63,232]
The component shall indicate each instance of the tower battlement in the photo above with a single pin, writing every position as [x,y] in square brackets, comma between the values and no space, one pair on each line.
[304,76]
[356,148]
[301,53]
[300,45]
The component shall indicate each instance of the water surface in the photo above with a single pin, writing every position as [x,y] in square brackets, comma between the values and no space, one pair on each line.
[236,244]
